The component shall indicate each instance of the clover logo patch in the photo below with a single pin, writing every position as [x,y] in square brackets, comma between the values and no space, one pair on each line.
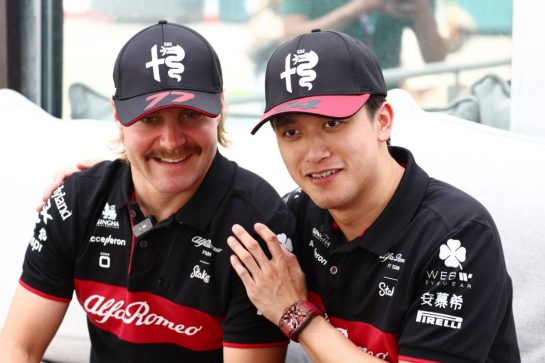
[453,253]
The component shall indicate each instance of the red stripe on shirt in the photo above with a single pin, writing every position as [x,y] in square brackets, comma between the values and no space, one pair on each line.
[43,294]
[367,337]
[416,360]
[256,345]
[141,317]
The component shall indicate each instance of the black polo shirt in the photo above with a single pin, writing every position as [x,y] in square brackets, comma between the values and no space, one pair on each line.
[166,292]
[427,280]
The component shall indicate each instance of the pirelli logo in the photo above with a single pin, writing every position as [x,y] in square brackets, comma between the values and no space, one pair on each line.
[431,318]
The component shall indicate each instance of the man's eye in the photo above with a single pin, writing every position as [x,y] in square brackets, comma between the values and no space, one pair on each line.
[148,119]
[291,133]
[332,123]
[192,115]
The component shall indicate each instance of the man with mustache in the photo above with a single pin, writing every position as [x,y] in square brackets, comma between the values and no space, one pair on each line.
[142,239]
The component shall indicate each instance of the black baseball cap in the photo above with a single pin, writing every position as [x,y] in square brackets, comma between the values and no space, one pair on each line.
[324,73]
[166,65]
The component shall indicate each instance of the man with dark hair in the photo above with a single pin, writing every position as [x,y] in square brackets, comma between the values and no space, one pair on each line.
[141,240]
[389,263]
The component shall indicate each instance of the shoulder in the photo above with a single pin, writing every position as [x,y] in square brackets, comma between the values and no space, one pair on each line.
[253,189]
[453,206]
[300,205]
[87,188]
[453,223]
[101,174]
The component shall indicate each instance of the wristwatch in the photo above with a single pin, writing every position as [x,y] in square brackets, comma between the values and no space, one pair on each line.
[296,317]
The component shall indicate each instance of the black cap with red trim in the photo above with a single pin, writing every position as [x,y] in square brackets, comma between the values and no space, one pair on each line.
[166,65]
[324,73]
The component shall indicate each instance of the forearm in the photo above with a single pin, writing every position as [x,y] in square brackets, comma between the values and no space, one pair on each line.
[324,343]
[337,19]
[13,353]
[262,355]
[432,46]
[31,323]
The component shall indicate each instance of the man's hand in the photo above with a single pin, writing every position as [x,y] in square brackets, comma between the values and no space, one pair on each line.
[61,176]
[272,284]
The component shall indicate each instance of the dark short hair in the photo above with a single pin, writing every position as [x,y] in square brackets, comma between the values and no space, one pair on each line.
[373,104]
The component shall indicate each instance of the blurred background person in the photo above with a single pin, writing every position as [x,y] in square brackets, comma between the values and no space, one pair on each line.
[377,23]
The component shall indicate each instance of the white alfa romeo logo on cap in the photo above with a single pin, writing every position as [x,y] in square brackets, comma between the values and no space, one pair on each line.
[303,64]
[172,57]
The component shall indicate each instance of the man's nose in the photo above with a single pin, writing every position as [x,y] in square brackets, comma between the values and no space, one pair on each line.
[316,150]
[172,135]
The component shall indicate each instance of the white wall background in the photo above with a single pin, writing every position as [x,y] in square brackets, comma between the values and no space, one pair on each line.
[528,64]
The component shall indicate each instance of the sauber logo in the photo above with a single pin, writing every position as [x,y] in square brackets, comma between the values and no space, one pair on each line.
[136,313]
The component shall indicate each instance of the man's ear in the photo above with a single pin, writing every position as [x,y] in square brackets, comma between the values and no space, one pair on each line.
[385,121]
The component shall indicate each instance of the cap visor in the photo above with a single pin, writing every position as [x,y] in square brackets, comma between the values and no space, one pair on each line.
[131,110]
[335,106]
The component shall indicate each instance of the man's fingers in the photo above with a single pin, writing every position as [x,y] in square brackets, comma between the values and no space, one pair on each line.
[270,238]
[242,272]
[60,176]
[243,256]
[250,244]
[86,164]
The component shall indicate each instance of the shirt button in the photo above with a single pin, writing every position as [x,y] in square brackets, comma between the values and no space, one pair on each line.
[132,213]
[333,270]
[143,243]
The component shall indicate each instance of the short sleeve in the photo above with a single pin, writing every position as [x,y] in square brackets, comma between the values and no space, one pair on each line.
[244,325]
[48,266]
[462,303]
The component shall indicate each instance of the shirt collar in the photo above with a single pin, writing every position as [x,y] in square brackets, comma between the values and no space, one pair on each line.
[202,206]
[399,211]
[123,187]
[198,211]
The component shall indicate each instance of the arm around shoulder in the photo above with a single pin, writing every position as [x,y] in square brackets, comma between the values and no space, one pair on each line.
[31,323]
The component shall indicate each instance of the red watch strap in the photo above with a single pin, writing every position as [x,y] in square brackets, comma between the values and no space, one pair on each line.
[296,317]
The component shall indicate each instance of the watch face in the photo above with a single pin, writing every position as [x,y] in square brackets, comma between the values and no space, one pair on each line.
[296,317]
[293,322]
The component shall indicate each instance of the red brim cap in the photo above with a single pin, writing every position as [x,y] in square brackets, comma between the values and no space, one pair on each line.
[133,109]
[335,106]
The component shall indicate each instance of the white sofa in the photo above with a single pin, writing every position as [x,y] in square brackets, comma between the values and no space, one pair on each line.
[505,171]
